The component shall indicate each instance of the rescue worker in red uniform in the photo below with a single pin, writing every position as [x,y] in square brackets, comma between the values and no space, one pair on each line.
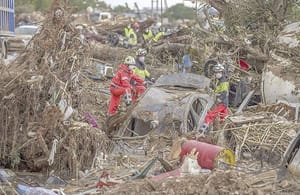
[120,85]
[222,94]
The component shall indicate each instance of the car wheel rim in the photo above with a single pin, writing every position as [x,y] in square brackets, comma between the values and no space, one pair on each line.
[194,115]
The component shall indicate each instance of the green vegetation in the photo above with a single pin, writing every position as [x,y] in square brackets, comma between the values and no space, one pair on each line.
[83,4]
[121,9]
[26,6]
[42,5]
[179,11]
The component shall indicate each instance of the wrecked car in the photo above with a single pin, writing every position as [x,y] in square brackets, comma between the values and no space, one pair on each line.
[176,102]
[23,35]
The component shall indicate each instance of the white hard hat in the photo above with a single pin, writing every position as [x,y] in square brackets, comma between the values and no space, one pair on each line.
[141,52]
[218,68]
[89,9]
[158,24]
[129,60]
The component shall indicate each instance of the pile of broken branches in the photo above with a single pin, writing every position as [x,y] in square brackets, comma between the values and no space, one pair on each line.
[39,92]
[272,137]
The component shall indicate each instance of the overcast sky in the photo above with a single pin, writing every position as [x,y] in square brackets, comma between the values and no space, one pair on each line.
[143,3]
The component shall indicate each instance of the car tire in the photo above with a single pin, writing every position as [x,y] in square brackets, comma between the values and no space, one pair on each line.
[193,114]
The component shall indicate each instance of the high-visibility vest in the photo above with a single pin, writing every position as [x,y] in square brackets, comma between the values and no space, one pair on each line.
[148,36]
[141,73]
[127,32]
[222,92]
[132,38]
[157,36]
[222,87]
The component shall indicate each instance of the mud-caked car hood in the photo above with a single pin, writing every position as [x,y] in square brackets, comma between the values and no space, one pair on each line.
[171,96]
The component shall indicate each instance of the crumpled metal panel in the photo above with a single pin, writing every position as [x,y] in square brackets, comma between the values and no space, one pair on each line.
[170,106]
[167,105]
[187,80]
[157,102]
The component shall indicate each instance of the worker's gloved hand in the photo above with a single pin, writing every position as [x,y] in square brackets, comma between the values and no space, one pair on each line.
[128,99]
[219,100]
[152,80]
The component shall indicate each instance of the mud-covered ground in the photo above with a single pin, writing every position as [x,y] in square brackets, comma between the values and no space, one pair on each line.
[217,182]
[84,153]
[95,100]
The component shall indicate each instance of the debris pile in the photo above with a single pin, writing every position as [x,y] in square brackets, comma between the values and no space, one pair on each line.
[217,182]
[118,25]
[273,138]
[55,95]
[40,94]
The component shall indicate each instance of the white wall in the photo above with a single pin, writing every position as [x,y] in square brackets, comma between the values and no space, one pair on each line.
[275,88]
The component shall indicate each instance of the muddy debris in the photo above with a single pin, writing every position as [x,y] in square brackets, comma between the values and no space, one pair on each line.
[41,91]
[57,134]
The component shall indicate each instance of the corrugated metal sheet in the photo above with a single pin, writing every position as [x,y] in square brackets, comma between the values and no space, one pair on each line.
[7,17]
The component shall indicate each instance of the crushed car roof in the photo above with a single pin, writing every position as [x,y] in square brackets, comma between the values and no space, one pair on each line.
[186,80]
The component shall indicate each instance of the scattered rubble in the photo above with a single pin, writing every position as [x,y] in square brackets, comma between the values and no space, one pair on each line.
[290,35]
[54,122]
[41,90]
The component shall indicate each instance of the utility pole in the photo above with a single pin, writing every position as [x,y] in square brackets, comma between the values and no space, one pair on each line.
[157,3]
[152,7]
[166,4]
[161,11]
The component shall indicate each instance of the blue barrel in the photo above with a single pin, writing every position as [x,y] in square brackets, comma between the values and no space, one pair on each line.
[7,17]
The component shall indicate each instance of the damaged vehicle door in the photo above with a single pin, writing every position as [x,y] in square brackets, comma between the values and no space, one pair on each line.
[177,102]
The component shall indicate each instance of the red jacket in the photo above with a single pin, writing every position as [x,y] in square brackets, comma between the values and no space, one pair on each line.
[123,77]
